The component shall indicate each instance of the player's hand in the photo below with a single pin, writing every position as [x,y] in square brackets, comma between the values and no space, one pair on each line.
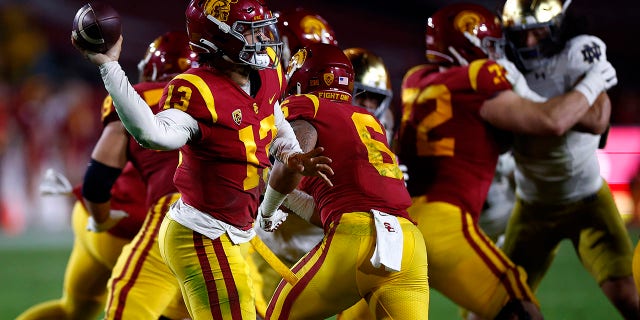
[272,222]
[54,183]
[518,82]
[114,217]
[311,164]
[96,58]
[601,77]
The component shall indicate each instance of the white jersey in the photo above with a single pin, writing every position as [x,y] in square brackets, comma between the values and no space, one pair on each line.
[560,169]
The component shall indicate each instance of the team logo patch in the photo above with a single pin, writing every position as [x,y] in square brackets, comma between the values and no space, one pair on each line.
[219,9]
[237,116]
[255,108]
[591,52]
[328,78]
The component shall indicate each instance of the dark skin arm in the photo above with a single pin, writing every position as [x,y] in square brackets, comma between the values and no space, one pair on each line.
[111,149]
[285,178]
[307,137]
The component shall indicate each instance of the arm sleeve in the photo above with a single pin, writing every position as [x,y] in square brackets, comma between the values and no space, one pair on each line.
[301,204]
[168,130]
[285,142]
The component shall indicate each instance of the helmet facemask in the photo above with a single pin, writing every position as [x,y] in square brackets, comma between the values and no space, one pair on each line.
[383,97]
[262,47]
[541,20]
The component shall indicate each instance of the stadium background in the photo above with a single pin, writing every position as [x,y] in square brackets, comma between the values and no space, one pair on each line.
[49,97]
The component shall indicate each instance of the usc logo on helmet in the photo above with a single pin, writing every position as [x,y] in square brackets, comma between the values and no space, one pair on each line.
[468,21]
[219,9]
[314,30]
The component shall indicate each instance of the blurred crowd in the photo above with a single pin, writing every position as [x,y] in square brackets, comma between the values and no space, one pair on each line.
[46,121]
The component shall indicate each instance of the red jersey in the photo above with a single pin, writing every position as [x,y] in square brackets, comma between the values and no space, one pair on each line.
[367,175]
[156,168]
[221,171]
[450,151]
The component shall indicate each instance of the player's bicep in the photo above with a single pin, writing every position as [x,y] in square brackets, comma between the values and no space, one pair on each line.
[111,148]
[306,134]
[508,111]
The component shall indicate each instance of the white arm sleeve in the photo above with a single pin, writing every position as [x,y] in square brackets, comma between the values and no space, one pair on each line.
[168,130]
[300,203]
[285,142]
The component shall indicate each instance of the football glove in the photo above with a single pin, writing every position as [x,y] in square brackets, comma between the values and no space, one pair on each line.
[272,222]
[54,183]
[114,217]
[600,78]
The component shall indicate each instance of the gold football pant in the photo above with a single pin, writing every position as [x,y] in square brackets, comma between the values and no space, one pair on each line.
[464,264]
[213,274]
[142,286]
[338,273]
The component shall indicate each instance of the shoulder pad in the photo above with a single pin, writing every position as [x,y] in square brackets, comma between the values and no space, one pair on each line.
[584,51]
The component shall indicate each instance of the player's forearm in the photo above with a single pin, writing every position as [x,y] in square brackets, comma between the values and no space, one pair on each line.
[151,131]
[563,112]
[99,211]
[596,119]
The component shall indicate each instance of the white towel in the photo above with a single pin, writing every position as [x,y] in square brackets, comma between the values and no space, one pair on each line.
[389,241]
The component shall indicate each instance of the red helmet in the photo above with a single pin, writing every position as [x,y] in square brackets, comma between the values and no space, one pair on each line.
[223,27]
[460,33]
[300,28]
[167,56]
[323,70]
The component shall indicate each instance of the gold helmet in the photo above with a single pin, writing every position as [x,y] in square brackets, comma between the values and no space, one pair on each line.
[371,78]
[521,16]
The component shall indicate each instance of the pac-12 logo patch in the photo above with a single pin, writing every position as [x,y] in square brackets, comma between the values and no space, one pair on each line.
[237,116]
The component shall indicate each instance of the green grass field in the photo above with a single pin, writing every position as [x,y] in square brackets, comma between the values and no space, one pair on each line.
[32,269]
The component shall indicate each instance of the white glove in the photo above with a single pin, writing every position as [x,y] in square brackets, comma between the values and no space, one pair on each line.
[600,78]
[271,223]
[114,217]
[54,183]
[518,82]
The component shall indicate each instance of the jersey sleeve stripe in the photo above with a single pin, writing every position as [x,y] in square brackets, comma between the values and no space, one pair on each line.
[205,92]
[474,69]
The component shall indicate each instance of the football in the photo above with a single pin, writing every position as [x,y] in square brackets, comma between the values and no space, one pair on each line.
[96,27]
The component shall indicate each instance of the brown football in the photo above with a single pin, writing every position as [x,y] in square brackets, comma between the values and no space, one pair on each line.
[96,27]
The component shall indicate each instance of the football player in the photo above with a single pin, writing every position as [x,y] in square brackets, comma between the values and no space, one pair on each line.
[561,194]
[371,249]
[122,183]
[225,118]
[450,138]
[298,28]
[372,86]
